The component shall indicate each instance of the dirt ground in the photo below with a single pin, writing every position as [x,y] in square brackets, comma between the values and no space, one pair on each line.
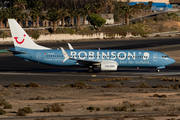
[108,102]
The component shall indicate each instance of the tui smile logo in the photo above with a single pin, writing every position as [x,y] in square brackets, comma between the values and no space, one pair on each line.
[16,38]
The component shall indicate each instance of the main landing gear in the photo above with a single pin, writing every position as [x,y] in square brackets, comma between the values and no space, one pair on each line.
[91,69]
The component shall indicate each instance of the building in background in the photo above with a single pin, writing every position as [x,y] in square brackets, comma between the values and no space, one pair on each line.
[156,6]
[108,17]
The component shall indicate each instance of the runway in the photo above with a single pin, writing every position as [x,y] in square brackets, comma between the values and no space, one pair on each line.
[111,44]
[13,69]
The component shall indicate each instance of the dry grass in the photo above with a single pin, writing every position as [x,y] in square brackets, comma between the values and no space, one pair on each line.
[112,79]
[53,108]
[2,112]
[110,85]
[38,98]
[142,85]
[4,103]
[24,111]
[32,84]
[174,79]
[145,118]
[80,85]
[160,96]
[16,85]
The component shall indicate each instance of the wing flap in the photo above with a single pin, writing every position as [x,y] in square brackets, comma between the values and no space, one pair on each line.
[87,62]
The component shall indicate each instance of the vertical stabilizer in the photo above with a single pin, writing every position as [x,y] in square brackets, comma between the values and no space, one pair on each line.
[21,39]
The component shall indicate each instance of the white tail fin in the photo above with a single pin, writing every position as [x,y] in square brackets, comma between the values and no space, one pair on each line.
[21,39]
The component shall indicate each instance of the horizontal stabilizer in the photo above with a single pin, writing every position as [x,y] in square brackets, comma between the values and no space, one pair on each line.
[15,51]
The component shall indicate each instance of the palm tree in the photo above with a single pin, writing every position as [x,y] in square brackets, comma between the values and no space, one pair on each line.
[36,8]
[12,12]
[86,11]
[150,5]
[33,18]
[84,14]
[27,19]
[34,4]
[20,3]
[78,14]
[2,13]
[71,15]
[146,8]
[110,4]
[47,23]
[54,15]
[43,18]
[142,7]
[23,16]
[97,7]
[127,10]
[137,8]
[117,9]
[64,13]
[36,13]
[88,8]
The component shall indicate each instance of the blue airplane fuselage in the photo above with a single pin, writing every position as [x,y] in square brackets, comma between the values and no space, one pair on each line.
[124,58]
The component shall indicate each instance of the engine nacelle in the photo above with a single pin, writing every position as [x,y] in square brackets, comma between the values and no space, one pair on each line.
[109,66]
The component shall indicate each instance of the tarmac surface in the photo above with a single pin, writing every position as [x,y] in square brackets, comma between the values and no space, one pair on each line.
[13,69]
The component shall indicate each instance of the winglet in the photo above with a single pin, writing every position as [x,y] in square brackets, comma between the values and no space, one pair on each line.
[65,54]
[70,46]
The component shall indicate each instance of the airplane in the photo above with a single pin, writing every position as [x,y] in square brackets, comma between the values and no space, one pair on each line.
[105,60]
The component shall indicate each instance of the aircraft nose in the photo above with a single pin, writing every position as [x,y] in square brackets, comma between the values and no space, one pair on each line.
[171,60]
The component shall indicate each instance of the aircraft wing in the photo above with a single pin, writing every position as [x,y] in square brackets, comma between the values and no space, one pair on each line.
[84,62]
[87,62]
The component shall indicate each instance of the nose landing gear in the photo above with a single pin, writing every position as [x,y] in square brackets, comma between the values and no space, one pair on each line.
[157,70]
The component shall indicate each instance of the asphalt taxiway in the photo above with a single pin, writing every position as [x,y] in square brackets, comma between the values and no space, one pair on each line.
[13,69]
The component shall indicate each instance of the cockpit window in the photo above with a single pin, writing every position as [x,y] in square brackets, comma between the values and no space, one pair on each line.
[165,56]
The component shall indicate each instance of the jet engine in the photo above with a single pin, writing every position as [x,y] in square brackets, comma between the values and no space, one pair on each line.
[109,66]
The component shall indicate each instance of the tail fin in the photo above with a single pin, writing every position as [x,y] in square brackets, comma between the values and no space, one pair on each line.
[21,39]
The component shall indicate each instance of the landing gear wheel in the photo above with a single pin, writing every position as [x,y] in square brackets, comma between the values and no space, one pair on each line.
[157,70]
[90,70]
